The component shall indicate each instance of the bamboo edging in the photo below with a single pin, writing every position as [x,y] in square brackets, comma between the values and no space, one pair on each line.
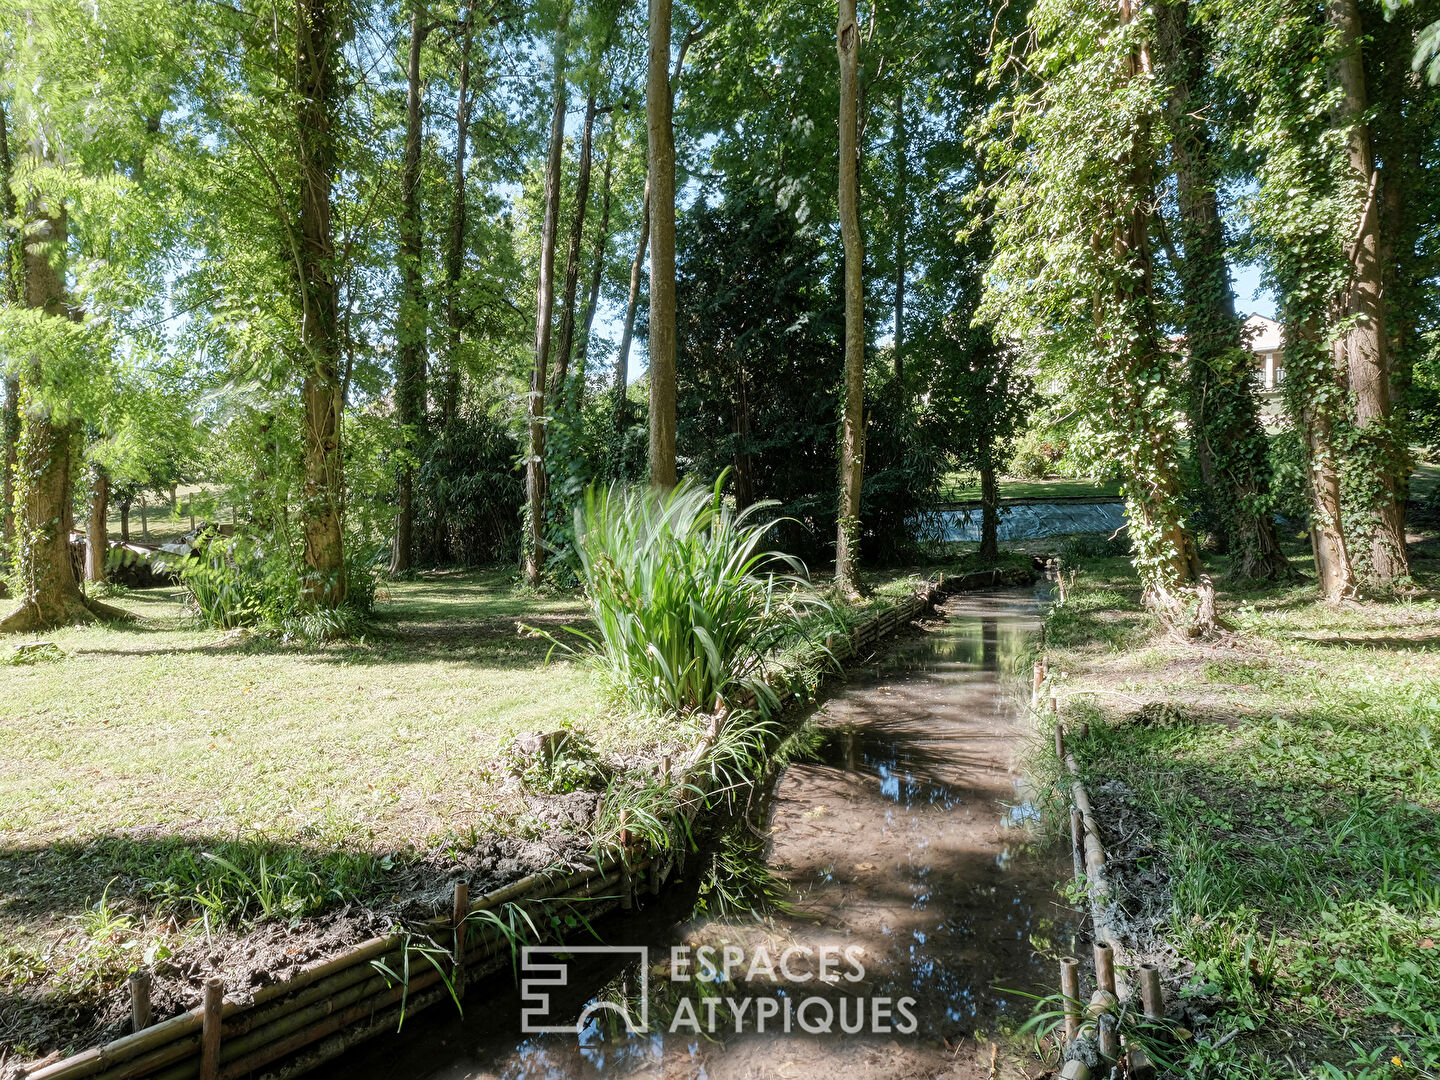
[322,1011]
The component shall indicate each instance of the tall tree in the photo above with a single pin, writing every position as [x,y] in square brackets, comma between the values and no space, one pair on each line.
[632,306]
[411,318]
[455,234]
[544,309]
[565,339]
[14,269]
[661,136]
[597,257]
[50,594]
[319,33]
[1364,346]
[852,413]
[902,209]
[1229,442]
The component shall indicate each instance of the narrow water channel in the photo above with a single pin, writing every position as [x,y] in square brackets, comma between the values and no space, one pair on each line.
[914,911]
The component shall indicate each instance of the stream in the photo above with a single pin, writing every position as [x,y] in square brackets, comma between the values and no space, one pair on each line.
[909,904]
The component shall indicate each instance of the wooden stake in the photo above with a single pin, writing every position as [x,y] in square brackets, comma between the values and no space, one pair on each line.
[1037,679]
[210,1029]
[1059,742]
[1104,967]
[627,887]
[1070,990]
[459,911]
[140,1013]
[1151,994]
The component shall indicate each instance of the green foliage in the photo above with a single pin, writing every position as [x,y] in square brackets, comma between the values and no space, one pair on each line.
[685,601]
[239,581]
[469,493]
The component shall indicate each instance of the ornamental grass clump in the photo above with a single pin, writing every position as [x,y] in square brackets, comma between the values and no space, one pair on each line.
[686,604]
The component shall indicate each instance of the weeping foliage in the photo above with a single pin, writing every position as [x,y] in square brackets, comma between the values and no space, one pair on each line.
[686,604]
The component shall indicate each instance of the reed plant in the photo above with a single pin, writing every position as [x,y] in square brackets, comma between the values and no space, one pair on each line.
[687,602]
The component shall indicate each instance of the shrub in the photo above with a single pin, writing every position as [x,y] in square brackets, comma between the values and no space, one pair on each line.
[236,581]
[686,604]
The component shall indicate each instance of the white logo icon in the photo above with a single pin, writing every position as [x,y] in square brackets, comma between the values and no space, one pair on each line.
[536,974]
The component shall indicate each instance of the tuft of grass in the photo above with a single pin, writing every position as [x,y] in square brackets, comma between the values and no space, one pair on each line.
[687,605]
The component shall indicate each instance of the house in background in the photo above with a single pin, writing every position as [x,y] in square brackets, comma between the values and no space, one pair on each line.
[1263,338]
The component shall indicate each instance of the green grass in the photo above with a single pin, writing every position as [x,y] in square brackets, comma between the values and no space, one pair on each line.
[1285,783]
[965,487]
[160,783]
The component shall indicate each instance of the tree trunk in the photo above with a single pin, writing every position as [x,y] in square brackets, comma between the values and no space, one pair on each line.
[317,33]
[658,108]
[49,593]
[455,247]
[597,267]
[1224,420]
[989,505]
[637,269]
[125,521]
[410,324]
[565,339]
[1166,557]
[902,195]
[1314,385]
[144,519]
[852,438]
[14,288]
[1364,348]
[97,544]
[740,453]
[544,302]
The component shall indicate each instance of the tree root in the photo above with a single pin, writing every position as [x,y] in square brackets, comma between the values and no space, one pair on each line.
[73,610]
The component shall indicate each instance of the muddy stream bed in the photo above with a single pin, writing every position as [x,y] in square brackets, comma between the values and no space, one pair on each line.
[900,853]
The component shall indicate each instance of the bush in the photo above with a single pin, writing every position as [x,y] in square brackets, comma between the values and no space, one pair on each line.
[235,581]
[1038,454]
[686,605]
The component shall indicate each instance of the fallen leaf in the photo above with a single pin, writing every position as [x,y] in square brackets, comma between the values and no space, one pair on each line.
[1427,943]
[866,866]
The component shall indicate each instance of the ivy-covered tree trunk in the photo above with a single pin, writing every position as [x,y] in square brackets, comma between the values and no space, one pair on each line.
[14,272]
[565,338]
[534,554]
[97,540]
[317,31]
[1364,348]
[852,416]
[1165,554]
[1224,419]
[662,249]
[411,317]
[49,593]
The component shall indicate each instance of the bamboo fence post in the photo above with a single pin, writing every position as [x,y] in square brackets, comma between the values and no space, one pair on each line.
[459,912]
[1059,743]
[1104,967]
[1037,680]
[140,1012]
[627,888]
[210,1029]
[1077,841]
[1070,991]
[1152,996]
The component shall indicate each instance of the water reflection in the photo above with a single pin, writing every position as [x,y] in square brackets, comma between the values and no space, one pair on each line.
[902,835]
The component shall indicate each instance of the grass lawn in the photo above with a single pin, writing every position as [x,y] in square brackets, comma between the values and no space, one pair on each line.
[965,487]
[171,796]
[1272,801]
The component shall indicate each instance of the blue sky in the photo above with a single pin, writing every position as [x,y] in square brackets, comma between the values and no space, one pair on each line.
[1250,296]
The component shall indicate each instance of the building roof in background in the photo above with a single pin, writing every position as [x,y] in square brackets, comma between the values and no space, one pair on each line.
[1261,334]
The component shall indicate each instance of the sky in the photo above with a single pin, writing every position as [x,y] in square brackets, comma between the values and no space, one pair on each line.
[1250,297]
